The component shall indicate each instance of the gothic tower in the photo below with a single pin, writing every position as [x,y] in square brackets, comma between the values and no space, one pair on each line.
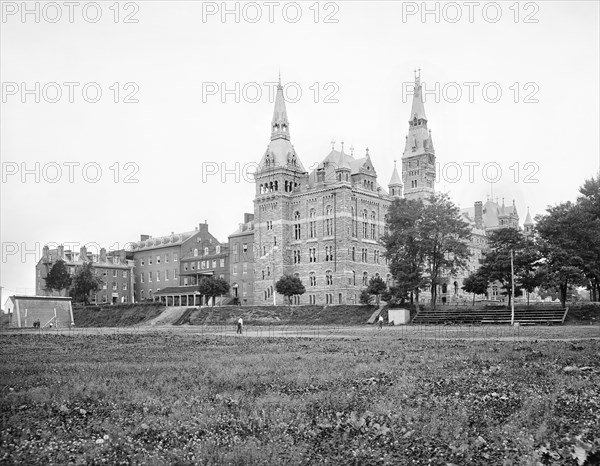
[418,159]
[279,176]
[395,184]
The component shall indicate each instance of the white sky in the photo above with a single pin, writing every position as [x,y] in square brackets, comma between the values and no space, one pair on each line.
[369,53]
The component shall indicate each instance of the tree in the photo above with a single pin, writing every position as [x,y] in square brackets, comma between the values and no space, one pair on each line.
[58,277]
[424,241]
[365,297]
[85,282]
[288,286]
[402,246]
[213,287]
[475,283]
[496,261]
[376,287]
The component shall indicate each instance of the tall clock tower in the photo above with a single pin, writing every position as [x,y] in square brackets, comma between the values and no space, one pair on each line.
[418,159]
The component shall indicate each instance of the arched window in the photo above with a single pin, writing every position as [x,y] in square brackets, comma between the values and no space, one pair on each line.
[312,224]
[312,279]
[297,226]
[196,252]
[329,277]
[218,249]
[373,224]
[353,232]
[329,221]
[365,224]
[365,278]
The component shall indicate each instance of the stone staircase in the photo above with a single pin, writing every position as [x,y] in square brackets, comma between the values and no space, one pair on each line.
[524,316]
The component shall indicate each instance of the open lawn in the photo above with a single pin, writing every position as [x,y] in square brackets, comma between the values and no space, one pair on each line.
[345,396]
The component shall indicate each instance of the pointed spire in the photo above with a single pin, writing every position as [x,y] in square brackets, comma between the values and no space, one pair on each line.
[418,108]
[528,220]
[280,126]
[395,177]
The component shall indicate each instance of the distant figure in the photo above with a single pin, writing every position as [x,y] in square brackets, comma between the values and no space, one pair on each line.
[380,322]
[240,324]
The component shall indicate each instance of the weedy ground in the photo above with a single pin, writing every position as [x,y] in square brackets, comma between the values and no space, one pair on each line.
[182,398]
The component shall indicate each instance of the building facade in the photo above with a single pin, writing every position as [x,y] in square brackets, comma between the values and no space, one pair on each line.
[241,256]
[158,261]
[114,268]
[323,226]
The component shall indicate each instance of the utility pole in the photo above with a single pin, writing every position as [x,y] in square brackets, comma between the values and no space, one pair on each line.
[512,288]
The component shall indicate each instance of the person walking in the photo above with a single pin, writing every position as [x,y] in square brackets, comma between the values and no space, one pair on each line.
[380,322]
[240,325]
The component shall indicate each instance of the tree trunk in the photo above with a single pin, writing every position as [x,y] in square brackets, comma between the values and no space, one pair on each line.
[473,299]
[528,298]
[563,294]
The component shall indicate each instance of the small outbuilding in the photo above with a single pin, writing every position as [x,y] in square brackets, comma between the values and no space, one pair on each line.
[39,311]
[399,316]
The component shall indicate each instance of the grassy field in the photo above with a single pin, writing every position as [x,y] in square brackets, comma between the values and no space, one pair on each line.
[176,397]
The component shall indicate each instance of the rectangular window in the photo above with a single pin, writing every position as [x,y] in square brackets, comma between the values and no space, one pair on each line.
[114,272]
[185,267]
[157,276]
[142,278]
[214,263]
[104,298]
[245,247]
[149,260]
[124,286]
[235,269]
[149,277]
[222,262]
[166,258]
[158,259]
[185,281]
[193,266]
[124,273]
[244,267]
[206,251]
[166,275]
[174,257]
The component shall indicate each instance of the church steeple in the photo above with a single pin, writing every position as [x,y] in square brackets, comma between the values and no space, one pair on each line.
[418,159]
[280,126]
[395,184]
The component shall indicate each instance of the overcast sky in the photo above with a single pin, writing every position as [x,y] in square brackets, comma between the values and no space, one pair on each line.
[174,123]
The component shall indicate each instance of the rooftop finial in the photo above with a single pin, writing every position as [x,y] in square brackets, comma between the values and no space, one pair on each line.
[332,144]
[367,151]
[342,146]
[394,163]
[280,77]
[352,150]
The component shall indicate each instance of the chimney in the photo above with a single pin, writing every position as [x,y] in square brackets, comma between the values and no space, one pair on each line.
[320,175]
[103,255]
[122,256]
[248,218]
[83,254]
[61,252]
[46,253]
[203,227]
[479,214]
[144,237]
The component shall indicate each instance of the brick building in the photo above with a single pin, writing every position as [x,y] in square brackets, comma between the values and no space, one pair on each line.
[158,261]
[324,226]
[241,255]
[114,268]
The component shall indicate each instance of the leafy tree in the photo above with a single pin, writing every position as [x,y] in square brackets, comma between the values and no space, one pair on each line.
[402,246]
[85,282]
[475,283]
[395,295]
[365,297]
[376,287]
[58,277]
[425,240]
[213,287]
[288,286]
[495,265]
